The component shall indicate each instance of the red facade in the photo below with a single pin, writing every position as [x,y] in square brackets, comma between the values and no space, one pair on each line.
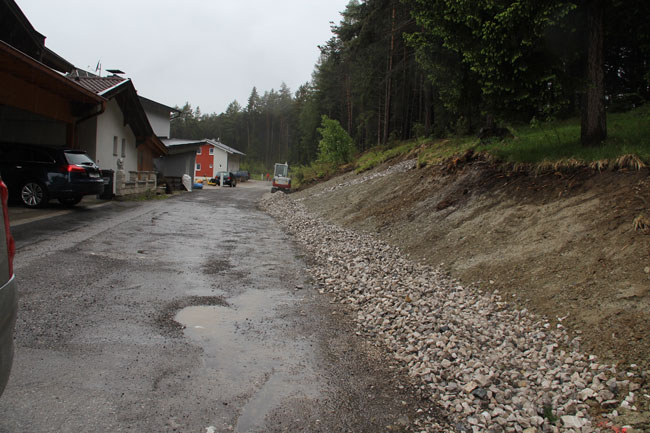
[205,161]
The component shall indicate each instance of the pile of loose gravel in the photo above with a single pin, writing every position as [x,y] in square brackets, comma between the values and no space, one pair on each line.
[492,367]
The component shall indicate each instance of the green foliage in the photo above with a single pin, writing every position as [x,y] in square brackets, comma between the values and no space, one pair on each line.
[547,410]
[336,146]
[553,142]
[255,168]
[500,46]
[305,149]
[367,78]
[305,174]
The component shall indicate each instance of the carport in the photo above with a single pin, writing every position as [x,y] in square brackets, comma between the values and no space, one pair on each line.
[38,104]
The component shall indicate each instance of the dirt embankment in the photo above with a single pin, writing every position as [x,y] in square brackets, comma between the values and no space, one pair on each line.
[564,243]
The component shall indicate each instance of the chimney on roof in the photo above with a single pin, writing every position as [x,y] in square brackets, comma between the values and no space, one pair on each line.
[115,72]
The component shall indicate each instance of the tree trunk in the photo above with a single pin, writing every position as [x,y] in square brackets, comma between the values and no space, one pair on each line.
[348,100]
[389,74]
[379,123]
[428,108]
[594,124]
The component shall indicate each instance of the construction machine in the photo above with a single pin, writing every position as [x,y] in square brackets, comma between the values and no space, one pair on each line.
[281,179]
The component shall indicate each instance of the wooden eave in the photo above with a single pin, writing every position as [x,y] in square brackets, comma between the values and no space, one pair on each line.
[30,85]
[135,116]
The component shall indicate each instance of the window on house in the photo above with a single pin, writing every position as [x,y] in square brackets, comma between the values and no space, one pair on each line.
[210,165]
[198,152]
[212,151]
[198,166]
[123,147]
[115,145]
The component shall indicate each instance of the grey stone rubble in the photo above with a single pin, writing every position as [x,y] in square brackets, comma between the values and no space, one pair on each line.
[490,367]
[393,169]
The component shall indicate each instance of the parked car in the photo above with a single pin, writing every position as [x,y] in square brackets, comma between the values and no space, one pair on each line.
[8,302]
[242,175]
[35,174]
[228,178]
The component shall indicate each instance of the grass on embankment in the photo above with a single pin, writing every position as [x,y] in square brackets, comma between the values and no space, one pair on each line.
[545,144]
[628,134]
[555,143]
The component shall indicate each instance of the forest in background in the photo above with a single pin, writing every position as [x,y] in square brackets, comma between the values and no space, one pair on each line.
[395,70]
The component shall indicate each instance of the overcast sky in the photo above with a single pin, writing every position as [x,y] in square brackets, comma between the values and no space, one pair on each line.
[205,52]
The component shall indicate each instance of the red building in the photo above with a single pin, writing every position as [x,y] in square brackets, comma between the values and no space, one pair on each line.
[213,157]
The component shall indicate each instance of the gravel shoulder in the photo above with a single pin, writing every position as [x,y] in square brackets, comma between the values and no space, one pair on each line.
[561,246]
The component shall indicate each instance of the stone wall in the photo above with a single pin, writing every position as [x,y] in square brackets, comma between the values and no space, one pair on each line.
[137,182]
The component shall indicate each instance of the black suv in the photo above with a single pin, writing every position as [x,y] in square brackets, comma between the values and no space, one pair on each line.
[8,298]
[228,178]
[36,174]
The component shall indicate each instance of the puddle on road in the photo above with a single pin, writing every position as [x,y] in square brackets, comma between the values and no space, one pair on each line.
[246,347]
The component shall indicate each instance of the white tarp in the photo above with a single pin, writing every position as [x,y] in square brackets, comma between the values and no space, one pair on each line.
[187,182]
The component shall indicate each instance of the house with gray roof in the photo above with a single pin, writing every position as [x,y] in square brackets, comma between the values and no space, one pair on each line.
[214,156]
[121,138]
[197,158]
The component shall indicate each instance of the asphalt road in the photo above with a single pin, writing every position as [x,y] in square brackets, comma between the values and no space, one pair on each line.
[191,314]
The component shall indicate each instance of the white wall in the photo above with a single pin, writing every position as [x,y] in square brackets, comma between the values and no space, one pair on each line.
[111,124]
[159,122]
[220,161]
[233,163]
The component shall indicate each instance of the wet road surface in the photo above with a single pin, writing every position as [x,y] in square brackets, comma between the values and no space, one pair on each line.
[191,314]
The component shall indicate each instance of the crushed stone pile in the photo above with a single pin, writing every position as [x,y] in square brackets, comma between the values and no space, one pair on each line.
[393,169]
[488,365]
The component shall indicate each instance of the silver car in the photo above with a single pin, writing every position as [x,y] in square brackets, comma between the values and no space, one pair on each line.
[8,296]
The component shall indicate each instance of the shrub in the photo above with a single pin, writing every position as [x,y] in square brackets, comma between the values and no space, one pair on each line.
[336,146]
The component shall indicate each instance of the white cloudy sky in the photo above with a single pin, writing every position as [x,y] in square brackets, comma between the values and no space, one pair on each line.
[206,52]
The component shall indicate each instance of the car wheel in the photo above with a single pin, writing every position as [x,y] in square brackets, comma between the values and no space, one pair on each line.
[70,201]
[34,194]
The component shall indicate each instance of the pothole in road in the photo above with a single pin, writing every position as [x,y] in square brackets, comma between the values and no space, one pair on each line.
[166,319]
[250,349]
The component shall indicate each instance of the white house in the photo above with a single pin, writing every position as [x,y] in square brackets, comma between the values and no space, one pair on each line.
[121,138]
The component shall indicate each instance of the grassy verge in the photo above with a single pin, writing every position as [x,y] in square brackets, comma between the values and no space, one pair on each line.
[547,144]
[557,142]
[628,134]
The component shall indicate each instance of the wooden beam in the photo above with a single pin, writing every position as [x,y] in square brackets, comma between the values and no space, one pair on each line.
[21,94]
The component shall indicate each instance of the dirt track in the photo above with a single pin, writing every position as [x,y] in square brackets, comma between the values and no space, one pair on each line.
[563,244]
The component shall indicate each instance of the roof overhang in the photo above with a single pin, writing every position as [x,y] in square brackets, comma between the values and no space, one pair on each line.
[134,114]
[30,85]
[183,148]
[149,103]
[225,148]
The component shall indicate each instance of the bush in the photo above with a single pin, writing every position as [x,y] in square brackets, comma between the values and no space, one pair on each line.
[336,146]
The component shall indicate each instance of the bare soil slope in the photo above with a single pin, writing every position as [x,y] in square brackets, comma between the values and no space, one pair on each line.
[562,244]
